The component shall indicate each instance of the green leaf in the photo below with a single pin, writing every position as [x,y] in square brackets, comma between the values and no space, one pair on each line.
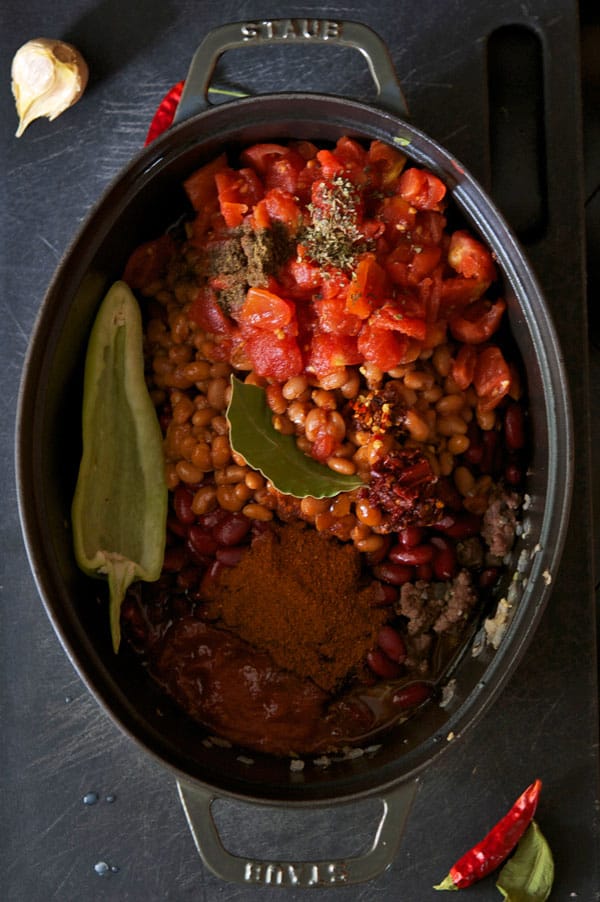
[277,456]
[528,876]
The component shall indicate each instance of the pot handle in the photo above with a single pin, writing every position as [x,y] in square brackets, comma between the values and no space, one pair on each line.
[194,98]
[197,804]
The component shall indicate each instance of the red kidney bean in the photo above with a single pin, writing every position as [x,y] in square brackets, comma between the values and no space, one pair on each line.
[211,574]
[412,695]
[474,452]
[489,458]
[417,554]
[182,505]
[213,518]
[383,666]
[174,559]
[188,577]
[513,473]
[489,577]
[444,558]
[424,572]
[396,574]
[230,555]
[385,595]
[392,644]
[176,527]
[201,541]
[411,536]
[373,558]
[514,427]
[462,525]
[232,530]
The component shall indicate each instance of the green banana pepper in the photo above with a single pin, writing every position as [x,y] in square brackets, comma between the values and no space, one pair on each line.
[120,504]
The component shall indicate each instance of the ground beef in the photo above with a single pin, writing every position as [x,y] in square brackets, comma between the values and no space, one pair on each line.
[436,606]
[470,553]
[500,524]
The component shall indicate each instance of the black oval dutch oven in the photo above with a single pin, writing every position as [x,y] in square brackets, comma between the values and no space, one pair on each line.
[140,203]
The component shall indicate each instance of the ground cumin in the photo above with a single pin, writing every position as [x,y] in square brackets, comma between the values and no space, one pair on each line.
[297,594]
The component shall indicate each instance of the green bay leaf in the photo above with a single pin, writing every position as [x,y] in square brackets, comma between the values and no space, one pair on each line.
[277,456]
[528,876]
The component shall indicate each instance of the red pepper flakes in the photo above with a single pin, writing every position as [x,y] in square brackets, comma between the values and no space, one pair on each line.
[494,848]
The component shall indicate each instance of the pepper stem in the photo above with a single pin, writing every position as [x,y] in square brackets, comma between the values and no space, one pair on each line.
[121,573]
[447,883]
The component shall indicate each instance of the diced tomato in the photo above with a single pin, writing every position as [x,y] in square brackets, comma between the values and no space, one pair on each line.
[463,366]
[335,283]
[277,205]
[391,316]
[301,278]
[382,347]
[457,293]
[429,291]
[274,356]
[323,446]
[207,313]
[264,310]
[238,191]
[387,162]
[350,151]
[477,322]
[398,212]
[423,189]
[436,334]
[470,258]
[426,258]
[332,316]
[260,156]
[367,289]
[329,351]
[429,226]
[200,187]
[492,377]
[331,165]
[148,263]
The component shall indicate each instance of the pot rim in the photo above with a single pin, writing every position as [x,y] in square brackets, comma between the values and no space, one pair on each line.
[480,210]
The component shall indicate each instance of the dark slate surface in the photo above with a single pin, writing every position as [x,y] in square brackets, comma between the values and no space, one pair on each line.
[57,744]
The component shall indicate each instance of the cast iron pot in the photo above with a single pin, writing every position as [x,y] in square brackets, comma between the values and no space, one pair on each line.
[139,205]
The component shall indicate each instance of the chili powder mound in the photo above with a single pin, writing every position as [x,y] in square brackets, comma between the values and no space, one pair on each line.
[297,594]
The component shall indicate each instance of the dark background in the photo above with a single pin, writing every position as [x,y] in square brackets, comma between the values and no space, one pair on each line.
[57,745]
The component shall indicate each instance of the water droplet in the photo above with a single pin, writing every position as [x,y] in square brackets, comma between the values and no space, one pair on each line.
[114,869]
[90,798]
[68,699]
[110,798]
[101,868]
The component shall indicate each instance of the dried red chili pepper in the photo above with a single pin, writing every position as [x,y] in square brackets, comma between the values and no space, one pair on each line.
[489,854]
[165,113]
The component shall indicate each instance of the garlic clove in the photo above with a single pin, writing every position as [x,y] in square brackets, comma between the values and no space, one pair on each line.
[48,76]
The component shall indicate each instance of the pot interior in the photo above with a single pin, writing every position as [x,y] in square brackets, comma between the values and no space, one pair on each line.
[145,199]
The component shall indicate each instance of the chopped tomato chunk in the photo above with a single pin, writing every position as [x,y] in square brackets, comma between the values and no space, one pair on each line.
[148,263]
[264,310]
[470,258]
[329,351]
[492,377]
[273,355]
[382,347]
[477,322]
[367,289]
[391,316]
[423,189]
[207,313]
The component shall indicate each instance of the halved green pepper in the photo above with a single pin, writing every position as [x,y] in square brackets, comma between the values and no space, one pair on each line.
[120,504]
